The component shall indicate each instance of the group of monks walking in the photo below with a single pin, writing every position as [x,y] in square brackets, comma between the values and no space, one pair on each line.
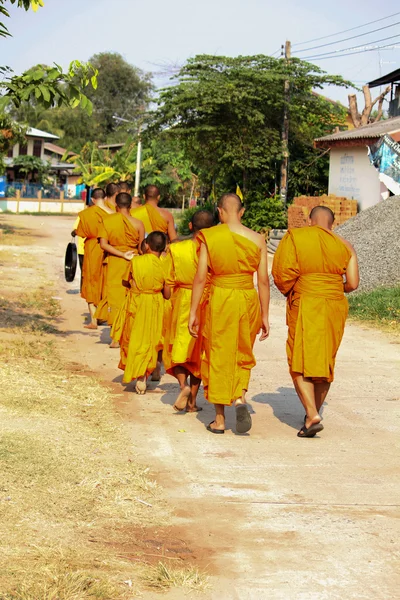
[197,305]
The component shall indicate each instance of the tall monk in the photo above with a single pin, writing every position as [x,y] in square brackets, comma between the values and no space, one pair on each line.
[112,189]
[313,268]
[153,217]
[119,234]
[90,221]
[182,353]
[235,312]
[138,325]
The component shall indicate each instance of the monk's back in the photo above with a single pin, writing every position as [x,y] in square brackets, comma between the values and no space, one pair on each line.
[185,261]
[148,273]
[230,253]
[320,251]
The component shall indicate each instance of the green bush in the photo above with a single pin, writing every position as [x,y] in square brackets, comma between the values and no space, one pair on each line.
[263,214]
[183,226]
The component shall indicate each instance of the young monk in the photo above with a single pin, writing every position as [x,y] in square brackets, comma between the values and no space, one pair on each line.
[231,253]
[182,352]
[90,221]
[138,325]
[124,186]
[112,189]
[119,234]
[309,266]
[155,218]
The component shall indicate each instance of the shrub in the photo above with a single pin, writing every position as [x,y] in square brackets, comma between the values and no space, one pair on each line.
[263,214]
[183,226]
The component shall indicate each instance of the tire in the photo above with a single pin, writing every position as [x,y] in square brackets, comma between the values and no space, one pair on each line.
[70,262]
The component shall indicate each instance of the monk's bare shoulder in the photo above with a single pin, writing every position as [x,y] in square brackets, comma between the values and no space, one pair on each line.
[255,237]
[165,213]
[346,243]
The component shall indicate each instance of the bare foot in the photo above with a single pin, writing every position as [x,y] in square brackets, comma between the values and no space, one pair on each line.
[183,399]
[156,375]
[193,409]
[91,326]
[214,427]
[114,344]
[141,386]
[313,421]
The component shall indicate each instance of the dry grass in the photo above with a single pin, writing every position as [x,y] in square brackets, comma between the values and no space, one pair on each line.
[70,486]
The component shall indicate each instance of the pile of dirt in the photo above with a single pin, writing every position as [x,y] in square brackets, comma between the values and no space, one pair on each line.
[375,235]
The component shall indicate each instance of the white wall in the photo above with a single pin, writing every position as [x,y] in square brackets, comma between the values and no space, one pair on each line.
[33,205]
[352,176]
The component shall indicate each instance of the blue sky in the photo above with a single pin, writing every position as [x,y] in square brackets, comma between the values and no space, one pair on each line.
[162,32]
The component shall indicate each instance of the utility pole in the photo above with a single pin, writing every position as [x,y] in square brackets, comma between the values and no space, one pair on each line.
[138,161]
[285,130]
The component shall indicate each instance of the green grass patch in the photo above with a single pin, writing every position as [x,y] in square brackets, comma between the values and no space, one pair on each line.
[379,307]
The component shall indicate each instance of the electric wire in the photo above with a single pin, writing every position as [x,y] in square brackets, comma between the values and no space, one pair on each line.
[352,53]
[334,52]
[349,38]
[325,37]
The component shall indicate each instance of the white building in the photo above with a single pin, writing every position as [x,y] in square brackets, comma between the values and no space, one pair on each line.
[351,174]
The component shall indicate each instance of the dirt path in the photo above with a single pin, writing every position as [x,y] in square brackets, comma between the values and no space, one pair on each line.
[269,515]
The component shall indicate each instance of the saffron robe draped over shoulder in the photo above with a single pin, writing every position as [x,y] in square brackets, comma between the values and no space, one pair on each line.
[138,324]
[90,221]
[151,218]
[180,348]
[233,315]
[308,269]
[123,235]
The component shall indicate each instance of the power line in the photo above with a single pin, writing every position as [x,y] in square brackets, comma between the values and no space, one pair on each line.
[353,47]
[349,38]
[351,53]
[325,37]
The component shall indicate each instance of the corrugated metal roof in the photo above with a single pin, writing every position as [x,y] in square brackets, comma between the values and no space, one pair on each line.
[33,132]
[389,78]
[374,130]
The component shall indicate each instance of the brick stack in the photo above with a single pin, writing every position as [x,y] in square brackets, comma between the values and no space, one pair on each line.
[299,211]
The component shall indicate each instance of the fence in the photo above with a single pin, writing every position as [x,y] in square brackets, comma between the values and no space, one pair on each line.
[34,190]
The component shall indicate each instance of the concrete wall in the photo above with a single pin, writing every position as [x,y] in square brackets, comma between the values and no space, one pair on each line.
[351,175]
[34,205]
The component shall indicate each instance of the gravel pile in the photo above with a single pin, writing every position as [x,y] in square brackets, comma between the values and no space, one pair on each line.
[375,235]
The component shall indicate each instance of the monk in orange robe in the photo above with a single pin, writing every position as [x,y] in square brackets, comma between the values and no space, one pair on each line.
[112,189]
[235,312]
[90,221]
[120,237]
[153,217]
[138,325]
[182,352]
[313,268]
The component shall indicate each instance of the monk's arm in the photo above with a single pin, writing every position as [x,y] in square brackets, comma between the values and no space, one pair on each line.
[264,291]
[166,291]
[199,284]
[141,235]
[285,268]
[104,245]
[352,272]
[171,229]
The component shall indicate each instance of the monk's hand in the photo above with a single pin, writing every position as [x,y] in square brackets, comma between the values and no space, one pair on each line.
[194,326]
[129,255]
[264,329]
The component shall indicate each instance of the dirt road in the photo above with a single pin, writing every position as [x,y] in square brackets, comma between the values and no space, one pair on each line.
[270,516]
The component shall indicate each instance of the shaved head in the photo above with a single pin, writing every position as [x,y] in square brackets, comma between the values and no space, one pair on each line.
[98,194]
[322,215]
[202,219]
[230,203]
[124,186]
[151,192]
[123,200]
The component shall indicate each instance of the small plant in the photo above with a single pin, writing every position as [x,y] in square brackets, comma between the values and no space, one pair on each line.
[263,214]
[183,227]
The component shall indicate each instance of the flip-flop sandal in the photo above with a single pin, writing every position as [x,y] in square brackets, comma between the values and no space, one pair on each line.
[243,418]
[182,400]
[218,431]
[311,431]
[194,410]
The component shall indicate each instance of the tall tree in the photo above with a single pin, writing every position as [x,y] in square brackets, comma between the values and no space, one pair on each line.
[228,114]
[123,91]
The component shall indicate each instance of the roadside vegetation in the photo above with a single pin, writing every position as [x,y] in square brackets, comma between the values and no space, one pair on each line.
[73,499]
[381,308]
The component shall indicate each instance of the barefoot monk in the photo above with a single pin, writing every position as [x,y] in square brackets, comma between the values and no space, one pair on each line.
[90,221]
[118,234]
[313,268]
[182,352]
[235,312]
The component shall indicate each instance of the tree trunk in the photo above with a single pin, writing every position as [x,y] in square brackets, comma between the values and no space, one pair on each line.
[366,113]
[365,117]
[355,115]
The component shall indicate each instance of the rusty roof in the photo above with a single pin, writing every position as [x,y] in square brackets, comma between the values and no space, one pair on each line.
[373,130]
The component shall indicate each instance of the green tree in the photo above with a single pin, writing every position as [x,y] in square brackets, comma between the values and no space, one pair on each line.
[33,165]
[227,113]
[123,90]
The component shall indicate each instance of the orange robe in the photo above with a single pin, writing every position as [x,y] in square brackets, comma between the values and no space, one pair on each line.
[90,221]
[151,218]
[138,324]
[233,315]
[110,205]
[180,348]
[308,269]
[120,233]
